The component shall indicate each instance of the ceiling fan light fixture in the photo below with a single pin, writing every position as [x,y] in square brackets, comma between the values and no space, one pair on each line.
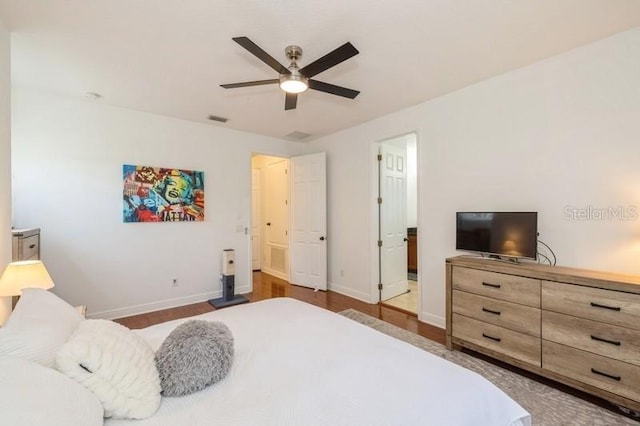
[294,80]
[294,83]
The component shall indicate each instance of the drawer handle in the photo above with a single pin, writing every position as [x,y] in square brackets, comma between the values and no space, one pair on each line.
[600,339]
[493,312]
[496,339]
[616,378]
[32,246]
[597,305]
[491,285]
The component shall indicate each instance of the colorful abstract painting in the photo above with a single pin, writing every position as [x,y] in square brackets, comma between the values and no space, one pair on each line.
[154,194]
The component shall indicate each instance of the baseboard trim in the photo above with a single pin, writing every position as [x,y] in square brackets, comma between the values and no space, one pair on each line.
[161,304]
[277,274]
[432,319]
[364,297]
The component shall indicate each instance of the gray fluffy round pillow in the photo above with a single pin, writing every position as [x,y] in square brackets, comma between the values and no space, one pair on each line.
[194,355]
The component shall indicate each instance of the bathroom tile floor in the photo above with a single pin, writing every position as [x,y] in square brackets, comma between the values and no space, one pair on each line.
[407,301]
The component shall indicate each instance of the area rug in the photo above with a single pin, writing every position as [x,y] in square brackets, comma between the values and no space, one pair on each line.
[548,406]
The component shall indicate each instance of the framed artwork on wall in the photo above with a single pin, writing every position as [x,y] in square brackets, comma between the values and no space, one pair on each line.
[156,194]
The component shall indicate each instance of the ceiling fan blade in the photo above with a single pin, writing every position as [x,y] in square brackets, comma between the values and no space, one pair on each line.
[261,54]
[290,101]
[329,60]
[250,83]
[333,89]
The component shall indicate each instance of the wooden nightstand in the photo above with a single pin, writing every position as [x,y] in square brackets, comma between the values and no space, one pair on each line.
[25,244]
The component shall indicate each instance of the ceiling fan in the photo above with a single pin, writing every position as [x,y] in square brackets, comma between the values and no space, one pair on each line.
[294,80]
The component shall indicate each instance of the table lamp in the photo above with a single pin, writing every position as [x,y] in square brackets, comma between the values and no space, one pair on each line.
[24,274]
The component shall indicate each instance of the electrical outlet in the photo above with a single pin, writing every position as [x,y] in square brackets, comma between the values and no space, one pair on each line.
[174,282]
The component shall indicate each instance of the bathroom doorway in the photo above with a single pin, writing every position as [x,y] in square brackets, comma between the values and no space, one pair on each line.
[397,223]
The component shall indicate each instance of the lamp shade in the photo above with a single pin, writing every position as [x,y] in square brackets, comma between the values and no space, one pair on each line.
[24,274]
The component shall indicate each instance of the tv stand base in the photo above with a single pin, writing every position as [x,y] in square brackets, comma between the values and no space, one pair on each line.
[505,259]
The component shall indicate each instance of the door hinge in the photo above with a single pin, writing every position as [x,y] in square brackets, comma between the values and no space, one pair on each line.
[285,171]
[286,202]
[379,157]
[379,286]
[286,232]
[379,200]
[379,243]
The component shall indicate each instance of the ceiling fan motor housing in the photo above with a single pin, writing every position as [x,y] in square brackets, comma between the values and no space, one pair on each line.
[293,53]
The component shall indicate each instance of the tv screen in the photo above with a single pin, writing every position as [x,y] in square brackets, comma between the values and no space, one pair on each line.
[511,234]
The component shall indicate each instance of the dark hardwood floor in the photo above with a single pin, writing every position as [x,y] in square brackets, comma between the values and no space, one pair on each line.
[266,287]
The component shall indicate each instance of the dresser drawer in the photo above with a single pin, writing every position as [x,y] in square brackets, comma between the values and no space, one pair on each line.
[510,343]
[512,288]
[30,248]
[610,306]
[604,339]
[605,373]
[524,319]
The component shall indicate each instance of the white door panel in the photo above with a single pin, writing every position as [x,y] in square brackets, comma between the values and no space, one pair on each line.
[393,221]
[309,221]
[277,208]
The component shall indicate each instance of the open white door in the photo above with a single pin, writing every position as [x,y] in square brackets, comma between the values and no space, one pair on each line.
[309,221]
[393,220]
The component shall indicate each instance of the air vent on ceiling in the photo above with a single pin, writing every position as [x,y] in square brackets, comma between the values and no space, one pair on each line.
[216,118]
[297,136]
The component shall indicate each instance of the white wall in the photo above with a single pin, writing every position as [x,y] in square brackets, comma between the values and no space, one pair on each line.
[562,132]
[5,160]
[68,156]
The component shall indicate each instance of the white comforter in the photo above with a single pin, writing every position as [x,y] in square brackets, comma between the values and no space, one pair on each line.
[296,364]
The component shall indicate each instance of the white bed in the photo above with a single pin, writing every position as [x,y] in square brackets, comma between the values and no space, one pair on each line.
[296,364]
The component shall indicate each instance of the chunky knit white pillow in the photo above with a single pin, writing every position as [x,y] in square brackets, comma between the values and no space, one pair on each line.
[116,364]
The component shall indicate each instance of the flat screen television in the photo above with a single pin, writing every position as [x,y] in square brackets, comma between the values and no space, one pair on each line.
[508,234]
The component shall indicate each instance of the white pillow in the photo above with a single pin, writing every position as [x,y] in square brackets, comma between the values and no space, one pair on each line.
[38,327]
[114,363]
[31,394]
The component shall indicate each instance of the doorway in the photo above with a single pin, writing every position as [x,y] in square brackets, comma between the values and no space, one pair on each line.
[289,218]
[270,215]
[397,223]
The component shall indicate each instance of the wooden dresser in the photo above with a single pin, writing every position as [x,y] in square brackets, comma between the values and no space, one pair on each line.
[575,326]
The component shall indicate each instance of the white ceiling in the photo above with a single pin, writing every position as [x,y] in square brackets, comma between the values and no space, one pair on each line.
[169,57]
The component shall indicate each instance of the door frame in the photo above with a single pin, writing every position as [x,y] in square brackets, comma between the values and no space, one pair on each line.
[259,214]
[374,220]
